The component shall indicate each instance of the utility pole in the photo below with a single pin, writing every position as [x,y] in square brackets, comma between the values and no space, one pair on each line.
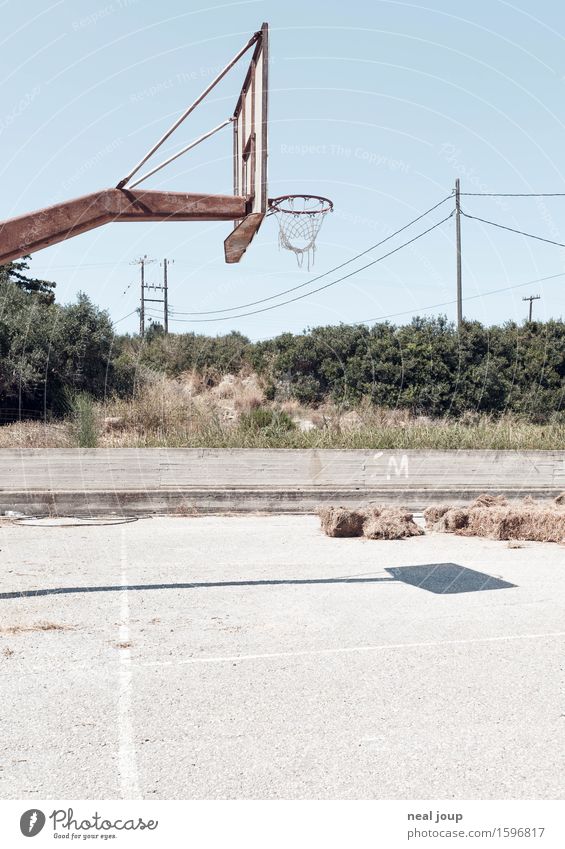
[153,287]
[458,241]
[165,297]
[142,308]
[142,262]
[531,298]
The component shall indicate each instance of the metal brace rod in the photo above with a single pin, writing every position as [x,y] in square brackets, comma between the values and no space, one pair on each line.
[190,109]
[180,153]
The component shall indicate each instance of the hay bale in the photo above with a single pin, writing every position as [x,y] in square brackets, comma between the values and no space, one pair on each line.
[520,522]
[481,522]
[390,523]
[455,520]
[444,519]
[487,500]
[434,512]
[341,522]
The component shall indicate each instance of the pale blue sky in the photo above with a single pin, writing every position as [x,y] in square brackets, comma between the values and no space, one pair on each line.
[378,105]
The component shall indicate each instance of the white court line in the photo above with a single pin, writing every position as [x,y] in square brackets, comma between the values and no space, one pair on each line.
[127,759]
[352,649]
[308,653]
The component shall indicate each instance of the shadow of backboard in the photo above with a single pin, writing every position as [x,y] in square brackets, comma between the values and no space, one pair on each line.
[444,578]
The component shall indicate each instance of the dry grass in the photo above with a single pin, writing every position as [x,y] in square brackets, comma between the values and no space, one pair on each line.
[373,522]
[519,523]
[433,514]
[493,517]
[341,522]
[159,406]
[191,412]
[244,391]
[487,500]
[390,523]
[37,626]
[35,435]
[204,421]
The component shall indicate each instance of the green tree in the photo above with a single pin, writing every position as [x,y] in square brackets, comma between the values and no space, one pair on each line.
[13,272]
[50,353]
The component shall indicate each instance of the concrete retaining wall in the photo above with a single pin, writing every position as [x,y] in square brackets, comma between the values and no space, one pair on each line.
[130,480]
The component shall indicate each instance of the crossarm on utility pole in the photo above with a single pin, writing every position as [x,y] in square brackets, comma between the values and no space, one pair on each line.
[35,230]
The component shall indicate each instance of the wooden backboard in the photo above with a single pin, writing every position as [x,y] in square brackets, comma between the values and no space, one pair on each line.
[250,148]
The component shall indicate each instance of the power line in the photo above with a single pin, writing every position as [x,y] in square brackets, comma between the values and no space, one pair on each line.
[403,312]
[468,298]
[320,288]
[513,194]
[513,230]
[83,265]
[326,273]
[123,318]
[448,303]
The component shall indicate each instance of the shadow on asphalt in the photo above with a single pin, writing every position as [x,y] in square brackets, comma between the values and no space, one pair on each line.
[440,578]
[447,578]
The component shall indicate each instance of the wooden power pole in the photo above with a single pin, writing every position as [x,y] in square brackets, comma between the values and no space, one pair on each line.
[142,306]
[142,262]
[458,242]
[165,297]
[531,298]
[153,287]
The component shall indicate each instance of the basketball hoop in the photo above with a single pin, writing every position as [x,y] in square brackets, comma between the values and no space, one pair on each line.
[300,218]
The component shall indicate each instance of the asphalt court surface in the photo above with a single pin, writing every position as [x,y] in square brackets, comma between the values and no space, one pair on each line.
[253,657]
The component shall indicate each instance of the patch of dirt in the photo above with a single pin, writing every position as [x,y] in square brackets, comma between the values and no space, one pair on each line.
[37,626]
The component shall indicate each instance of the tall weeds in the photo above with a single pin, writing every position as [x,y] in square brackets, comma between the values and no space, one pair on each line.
[234,414]
[84,425]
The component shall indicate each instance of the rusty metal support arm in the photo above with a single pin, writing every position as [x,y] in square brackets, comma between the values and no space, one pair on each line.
[180,153]
[190,109]
[35,230]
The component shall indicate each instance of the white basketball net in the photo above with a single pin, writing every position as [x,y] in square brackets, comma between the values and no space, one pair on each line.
[300,218]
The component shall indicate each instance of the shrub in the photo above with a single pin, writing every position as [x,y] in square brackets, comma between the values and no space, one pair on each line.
[84,421]
[265,419]
[48,350]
